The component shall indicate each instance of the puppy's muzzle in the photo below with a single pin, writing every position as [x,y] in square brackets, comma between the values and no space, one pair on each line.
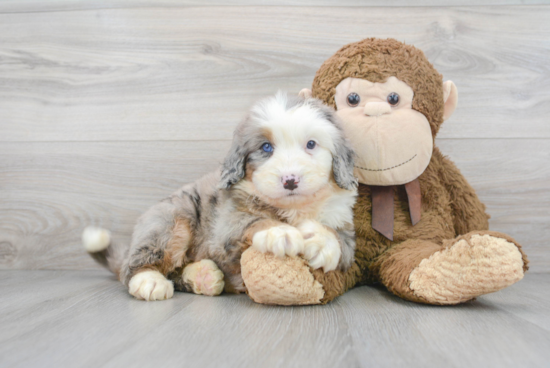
[290,182]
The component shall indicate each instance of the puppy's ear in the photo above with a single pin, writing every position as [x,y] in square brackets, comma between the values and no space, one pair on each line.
[342,164]
[233,167]
[343,156]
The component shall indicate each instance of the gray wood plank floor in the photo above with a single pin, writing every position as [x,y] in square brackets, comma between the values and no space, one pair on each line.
[107,107]
[20,6]
[87,319]
[191,73]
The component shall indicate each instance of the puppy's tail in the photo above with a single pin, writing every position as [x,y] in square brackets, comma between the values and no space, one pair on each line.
[98,243]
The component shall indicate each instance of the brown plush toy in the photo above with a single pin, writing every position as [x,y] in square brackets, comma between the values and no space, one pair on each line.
[421,229]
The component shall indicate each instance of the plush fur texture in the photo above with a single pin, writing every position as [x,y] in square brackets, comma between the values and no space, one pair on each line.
[451,235]
[287,284]
[376,60]
[286,187]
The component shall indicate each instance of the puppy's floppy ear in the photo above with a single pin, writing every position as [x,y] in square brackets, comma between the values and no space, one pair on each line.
[233,167]
[342,164]
[343,156]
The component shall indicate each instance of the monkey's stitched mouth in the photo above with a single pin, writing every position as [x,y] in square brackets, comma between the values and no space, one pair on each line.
[388,168]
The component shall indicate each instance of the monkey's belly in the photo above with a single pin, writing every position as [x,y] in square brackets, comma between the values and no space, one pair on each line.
[434,225]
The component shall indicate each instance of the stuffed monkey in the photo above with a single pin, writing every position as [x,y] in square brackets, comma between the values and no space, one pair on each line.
[421,230]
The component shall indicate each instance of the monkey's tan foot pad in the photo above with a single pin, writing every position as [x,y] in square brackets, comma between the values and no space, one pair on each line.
[476,265]
[204,277]
[282,281]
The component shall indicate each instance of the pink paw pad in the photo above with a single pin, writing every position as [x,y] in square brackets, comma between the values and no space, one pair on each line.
[204,277]
[204,281]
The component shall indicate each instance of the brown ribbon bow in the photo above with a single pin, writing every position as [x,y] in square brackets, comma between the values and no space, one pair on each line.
[382,207]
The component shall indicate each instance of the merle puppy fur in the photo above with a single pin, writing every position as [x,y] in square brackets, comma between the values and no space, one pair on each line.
[288,175]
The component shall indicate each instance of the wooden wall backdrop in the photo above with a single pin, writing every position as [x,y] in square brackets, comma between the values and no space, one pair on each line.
[108,106]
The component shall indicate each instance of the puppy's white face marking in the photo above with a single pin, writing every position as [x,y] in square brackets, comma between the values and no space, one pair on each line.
[298,147]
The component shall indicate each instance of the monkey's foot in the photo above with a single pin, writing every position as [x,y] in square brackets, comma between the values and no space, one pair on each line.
[204,277]
[474,265]
[274,280]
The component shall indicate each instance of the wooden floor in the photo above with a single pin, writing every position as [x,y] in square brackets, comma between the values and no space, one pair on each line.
[107,107]
[87,319]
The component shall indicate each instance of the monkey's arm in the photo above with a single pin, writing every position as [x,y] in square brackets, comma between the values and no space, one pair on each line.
[467,210]
[291,281]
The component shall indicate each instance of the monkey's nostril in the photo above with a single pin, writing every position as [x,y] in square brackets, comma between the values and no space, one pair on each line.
[290,184]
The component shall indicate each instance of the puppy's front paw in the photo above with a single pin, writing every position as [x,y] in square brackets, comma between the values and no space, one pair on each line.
[151,285]
[321,246]
[280,240]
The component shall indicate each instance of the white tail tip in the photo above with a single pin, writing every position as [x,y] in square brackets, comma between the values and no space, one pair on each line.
[96,239]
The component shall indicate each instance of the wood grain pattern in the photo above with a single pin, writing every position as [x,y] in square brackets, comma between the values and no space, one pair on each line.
[20,6]
[87,319]
[107,107]
[190,73]
[51,191]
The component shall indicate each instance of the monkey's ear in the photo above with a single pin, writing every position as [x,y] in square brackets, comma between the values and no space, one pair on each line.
[233,167]
[450,97]
[342,165]
[305,93]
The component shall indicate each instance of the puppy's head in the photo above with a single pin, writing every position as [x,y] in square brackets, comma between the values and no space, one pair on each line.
[288,149]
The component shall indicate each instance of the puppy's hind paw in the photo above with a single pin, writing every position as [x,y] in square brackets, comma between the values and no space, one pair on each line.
[151,285]
[280,240]
[204,277]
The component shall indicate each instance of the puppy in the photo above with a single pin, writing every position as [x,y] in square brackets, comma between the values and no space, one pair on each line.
[286,187]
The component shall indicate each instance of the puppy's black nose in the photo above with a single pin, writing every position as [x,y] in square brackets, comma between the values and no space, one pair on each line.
[290,184]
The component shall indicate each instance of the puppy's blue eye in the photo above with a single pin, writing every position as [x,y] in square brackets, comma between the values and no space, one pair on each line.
[267,147]
[311,144]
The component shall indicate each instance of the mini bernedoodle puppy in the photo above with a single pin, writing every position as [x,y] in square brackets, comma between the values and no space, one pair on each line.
[286,187]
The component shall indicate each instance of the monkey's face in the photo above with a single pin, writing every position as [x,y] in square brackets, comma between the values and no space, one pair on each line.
[392,141]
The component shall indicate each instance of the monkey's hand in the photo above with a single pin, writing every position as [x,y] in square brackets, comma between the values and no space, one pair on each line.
[321,245]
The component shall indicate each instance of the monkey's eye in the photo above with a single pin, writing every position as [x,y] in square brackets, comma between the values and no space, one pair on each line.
[267,147]
[311,145]
[393,98]
[353,99]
